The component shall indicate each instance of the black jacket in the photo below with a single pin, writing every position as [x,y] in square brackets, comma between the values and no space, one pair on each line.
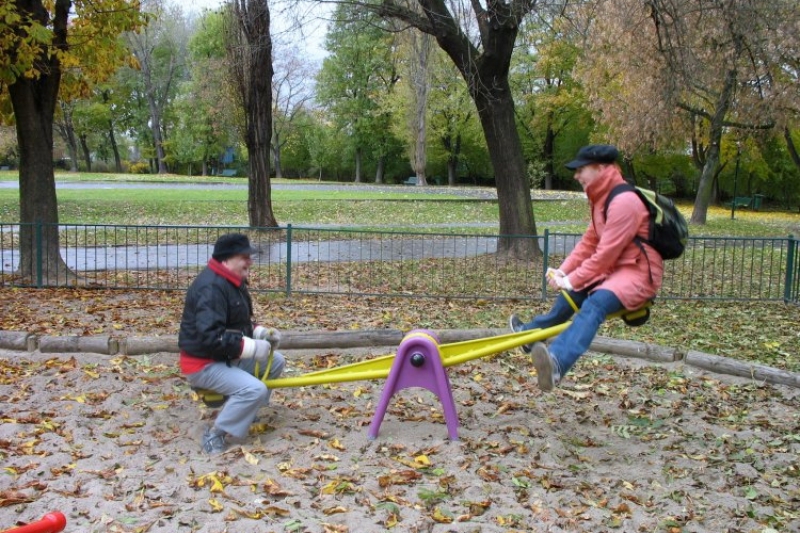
[216,314]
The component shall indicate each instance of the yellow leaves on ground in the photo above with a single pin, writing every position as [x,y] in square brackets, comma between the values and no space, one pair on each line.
[216,506]
[250,458]
[214,481]
[339,485]
[441,517]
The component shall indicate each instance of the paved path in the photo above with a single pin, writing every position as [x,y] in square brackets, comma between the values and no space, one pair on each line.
[170,256]
[388,248]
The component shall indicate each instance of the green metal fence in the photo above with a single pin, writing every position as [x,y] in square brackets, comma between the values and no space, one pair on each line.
[315,260]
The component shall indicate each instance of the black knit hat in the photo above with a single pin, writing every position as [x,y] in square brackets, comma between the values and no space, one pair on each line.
[232,244]
[594,153]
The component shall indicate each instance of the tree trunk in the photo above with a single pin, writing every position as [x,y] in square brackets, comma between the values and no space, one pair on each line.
[453,147]
[496,113]
[358,165]
[34,101]
[422,44]
[67,131]
[87,156]
[716,128]
[155,124]
[113,140]
[380,170]
[548,151]
[141,48]
[250,50]
[259,129]
[276,155]
[787,136]
[486,75]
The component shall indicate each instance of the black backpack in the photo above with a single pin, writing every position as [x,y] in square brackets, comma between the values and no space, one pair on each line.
[669,230]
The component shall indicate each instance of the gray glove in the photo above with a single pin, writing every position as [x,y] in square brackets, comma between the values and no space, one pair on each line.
[257,349]
[272,335]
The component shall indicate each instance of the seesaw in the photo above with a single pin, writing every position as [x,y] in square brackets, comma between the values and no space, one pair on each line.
[420,361]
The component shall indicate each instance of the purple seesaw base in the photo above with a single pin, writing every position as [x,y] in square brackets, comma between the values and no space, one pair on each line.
[418,363]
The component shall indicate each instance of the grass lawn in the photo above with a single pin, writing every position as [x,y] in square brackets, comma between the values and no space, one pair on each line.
[434,211]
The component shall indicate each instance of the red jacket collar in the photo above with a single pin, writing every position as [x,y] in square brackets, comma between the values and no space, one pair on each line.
[221,270]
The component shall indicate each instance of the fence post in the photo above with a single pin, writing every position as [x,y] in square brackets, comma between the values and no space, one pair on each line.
[790,265]
[545,262]
[288,260]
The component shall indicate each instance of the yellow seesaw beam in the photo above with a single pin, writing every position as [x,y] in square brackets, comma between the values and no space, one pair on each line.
[452,354]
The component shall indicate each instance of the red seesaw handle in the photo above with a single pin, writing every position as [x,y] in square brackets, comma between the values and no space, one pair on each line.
[50,523]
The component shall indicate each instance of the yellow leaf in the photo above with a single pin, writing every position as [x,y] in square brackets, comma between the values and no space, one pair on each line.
[250,458]
[330,488]
[407,462]
[216,507]
[477,377]
[216,485]
[335,510]
[91,374]
[29,446]
[335,444]
[439,516]
[422,460]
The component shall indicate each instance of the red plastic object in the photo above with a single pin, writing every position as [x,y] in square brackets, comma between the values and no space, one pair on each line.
[50,523]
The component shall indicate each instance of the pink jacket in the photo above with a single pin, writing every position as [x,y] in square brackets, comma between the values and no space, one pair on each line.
[606,256]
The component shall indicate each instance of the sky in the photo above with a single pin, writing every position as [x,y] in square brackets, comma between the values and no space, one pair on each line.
[313,35]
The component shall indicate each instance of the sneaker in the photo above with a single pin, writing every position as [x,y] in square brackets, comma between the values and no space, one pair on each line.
[516,326]
[547,374]
[213,441]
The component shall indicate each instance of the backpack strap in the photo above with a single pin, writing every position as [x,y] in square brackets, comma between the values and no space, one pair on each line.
[616,191]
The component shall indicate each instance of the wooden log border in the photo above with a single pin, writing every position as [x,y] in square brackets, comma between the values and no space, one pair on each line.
[329,340]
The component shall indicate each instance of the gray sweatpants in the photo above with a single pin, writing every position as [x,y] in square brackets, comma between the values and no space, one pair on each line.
[246,393]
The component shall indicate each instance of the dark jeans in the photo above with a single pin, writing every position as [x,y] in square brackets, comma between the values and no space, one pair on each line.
[573,342]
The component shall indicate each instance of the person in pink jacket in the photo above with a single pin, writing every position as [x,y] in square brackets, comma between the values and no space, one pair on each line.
[605,272]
